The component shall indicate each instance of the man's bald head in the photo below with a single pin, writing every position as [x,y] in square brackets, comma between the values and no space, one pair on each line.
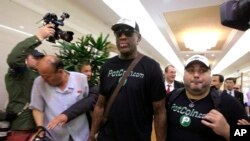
[51,69]
[50,62]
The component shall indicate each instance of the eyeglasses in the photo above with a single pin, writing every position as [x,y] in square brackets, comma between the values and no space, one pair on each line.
[126,31]
[236,88]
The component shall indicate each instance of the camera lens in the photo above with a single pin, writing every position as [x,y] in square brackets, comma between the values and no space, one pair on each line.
[59,34]
[66,35]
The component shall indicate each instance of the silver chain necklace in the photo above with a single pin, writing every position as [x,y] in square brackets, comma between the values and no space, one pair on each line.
[191,104]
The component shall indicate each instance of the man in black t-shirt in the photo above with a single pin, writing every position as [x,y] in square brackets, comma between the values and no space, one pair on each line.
[141,97]
[198,112]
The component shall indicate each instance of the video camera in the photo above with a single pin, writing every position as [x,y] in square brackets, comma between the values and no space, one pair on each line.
[235,14]
[59,34]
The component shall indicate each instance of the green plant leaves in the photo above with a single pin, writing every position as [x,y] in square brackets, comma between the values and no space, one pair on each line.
[85,49]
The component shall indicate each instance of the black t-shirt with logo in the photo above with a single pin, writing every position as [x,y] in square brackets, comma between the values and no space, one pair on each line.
[184,124]
[130,118]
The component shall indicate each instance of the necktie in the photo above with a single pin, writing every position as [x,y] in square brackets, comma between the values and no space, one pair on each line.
[168,89]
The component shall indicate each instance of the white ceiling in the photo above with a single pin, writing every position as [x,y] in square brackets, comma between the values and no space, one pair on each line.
[94,17]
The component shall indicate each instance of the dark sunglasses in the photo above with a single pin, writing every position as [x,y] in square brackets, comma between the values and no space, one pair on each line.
[126,31]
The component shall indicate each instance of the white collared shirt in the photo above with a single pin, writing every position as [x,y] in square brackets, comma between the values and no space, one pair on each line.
[231,92]
[52,101]
[171,86]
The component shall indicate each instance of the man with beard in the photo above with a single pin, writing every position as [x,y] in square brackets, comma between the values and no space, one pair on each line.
[198,112]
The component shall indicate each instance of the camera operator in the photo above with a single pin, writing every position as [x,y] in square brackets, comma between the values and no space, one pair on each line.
[19,79]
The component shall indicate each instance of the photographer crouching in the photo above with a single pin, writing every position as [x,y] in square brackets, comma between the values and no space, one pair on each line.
[19,79]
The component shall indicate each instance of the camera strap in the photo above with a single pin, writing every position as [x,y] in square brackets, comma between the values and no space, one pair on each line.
[26,106]
[120,84]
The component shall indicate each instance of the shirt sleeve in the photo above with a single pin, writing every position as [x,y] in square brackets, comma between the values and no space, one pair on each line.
[86,86]
[232,109]
[245,99]
[17,56]
[248,98]
[37,101]
[82,106]
[157,86]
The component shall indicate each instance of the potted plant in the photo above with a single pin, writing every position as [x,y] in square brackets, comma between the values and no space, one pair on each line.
[86,48]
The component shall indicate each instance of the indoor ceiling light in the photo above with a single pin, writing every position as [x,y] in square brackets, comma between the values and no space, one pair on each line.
[239,49]
[200,41]
[149,31]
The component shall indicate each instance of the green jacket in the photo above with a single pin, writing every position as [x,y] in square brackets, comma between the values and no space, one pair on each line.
[19,80]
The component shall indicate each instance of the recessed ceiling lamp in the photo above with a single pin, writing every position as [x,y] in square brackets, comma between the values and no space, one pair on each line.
[200,41]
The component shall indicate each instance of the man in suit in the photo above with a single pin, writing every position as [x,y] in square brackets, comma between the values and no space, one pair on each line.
[170,82]
[217,81]
[237,88]
[229,88]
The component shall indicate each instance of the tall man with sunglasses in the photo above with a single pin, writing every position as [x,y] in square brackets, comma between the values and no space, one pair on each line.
[141,97]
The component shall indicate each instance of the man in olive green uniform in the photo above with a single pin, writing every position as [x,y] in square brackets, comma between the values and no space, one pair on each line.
[19,80]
